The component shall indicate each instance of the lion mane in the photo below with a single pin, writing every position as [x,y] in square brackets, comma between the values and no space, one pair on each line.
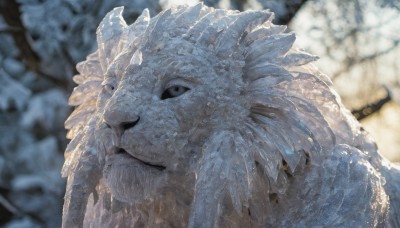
[283,150]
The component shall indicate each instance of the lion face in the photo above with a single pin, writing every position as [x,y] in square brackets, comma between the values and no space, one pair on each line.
[159,119]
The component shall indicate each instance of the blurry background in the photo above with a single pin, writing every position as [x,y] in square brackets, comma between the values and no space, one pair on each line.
[42,40]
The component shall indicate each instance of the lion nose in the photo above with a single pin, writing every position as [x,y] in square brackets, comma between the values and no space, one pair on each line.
[121,126]
[130,124]
[120,120]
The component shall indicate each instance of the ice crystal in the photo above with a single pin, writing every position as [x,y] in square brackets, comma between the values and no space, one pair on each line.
[249,134]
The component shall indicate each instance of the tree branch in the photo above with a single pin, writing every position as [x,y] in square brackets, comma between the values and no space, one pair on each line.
[9,9]
[10,30]
[11,14]
[292,8]
[372,108]
[8,206]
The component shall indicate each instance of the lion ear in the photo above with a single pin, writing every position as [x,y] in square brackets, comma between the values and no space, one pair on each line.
[189,15]
[109,33]
[231,36]
[115,37]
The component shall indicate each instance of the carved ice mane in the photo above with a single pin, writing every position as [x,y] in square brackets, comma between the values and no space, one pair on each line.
[284,152]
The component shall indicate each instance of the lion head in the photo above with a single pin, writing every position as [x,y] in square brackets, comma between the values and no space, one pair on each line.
[198,117]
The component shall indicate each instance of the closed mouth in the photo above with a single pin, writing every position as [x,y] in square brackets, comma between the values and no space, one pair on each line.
[155,166]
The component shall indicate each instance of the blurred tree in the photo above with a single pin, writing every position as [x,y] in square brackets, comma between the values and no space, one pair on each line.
[358,42]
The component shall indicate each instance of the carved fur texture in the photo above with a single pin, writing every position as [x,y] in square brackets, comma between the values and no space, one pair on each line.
[201,117]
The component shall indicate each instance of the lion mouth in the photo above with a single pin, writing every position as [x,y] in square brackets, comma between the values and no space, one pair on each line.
[155,166]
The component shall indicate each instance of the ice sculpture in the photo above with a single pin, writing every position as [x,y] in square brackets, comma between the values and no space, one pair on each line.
[201,117]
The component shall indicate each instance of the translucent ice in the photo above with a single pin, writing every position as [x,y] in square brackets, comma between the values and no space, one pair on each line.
[200,117]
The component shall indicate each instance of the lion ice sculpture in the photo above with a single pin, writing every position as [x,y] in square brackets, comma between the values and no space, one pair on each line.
[200,117]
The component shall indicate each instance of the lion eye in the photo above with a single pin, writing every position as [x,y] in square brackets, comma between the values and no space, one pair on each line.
[109,88]
[174,91]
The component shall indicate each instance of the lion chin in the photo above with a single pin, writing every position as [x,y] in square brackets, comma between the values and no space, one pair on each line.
[128,178]
[200,117]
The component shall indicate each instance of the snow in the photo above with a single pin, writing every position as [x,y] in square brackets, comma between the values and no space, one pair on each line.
[12,93]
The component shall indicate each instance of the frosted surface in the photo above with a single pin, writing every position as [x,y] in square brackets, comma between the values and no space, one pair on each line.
[211,118]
